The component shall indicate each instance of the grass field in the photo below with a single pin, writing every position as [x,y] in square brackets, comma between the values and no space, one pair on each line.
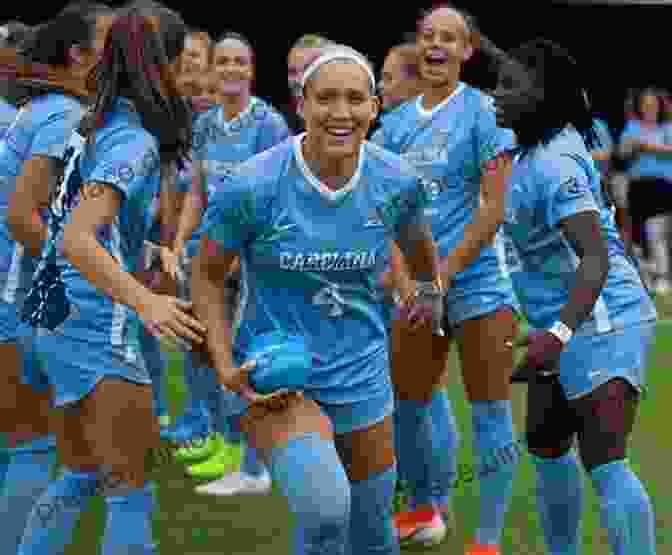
[187,524]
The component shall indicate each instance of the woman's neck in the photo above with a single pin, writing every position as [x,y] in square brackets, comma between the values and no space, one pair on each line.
[234,105]
[335,173]
[433,96]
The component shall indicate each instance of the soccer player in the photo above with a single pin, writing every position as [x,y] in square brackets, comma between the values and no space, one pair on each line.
[304,51]
[52,88]
[643,141]
[449,133]
[240,126]
[86,301]
[594,320]
[311,220]
[196,54]
[400,77]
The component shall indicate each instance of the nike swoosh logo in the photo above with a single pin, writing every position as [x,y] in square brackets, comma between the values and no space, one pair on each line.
[286,227]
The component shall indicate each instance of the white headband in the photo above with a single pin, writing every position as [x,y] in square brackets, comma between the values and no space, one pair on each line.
[337,55]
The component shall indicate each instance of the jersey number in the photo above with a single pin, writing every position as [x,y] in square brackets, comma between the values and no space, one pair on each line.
[330,296]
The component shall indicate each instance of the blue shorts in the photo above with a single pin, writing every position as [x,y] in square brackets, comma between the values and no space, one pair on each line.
[345,418]
[591,360]
[12,330]
[75,367]
[478,291]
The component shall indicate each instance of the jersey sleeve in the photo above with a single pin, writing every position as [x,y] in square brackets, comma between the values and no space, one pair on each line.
[229,216]
[491,139]
[566,192]
[125,160]
[604,135]
[273,130]
[51,135]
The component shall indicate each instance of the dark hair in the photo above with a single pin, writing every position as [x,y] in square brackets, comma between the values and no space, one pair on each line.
[565,100]
[15,36]
[74,25]
[134,65]
[649,91]
[172,28]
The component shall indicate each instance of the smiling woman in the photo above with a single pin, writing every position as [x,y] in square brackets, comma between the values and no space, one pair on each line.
[325,194]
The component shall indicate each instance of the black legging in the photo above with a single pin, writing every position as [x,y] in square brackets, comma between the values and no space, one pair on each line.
[601,421]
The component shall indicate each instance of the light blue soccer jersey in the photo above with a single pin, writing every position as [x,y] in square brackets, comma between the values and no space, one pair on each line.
[311,258]
[606,142]
[222,144]
[125,157]
[41,128]
[647,164]
[548,185]
[448,146]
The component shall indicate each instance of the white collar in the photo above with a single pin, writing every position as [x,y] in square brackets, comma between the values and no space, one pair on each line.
[429,113]
[329,194]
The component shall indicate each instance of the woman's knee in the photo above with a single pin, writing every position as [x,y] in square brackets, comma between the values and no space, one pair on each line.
[309,472]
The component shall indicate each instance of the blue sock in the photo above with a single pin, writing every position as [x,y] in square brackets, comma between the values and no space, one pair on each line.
[156,364]
[497,454]
[55,514]
[626,509]
[251,464]
[415,448]
[129,522]
[560,502]
[28,474]
[445,442]
[371,527]
[312,478]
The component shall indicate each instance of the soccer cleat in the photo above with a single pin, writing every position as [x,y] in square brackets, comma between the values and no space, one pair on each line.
[238,483]
[164,420]
[420,528]
[199,449]
[226,459]
[482,549]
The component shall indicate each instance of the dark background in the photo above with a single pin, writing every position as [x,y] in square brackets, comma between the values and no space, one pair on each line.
[619,45]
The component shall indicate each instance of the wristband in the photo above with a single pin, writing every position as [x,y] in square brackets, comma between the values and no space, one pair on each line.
[561,331]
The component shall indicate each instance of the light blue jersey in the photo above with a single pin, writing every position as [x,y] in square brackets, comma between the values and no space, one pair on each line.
[448,146]
[222,145]
[606,143]
[41,128]
[548,185]
[648,164]
[311,258]
[101,337]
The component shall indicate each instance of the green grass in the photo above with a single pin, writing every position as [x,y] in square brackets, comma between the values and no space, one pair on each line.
[187,524]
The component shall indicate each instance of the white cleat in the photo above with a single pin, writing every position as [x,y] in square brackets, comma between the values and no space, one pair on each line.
[238,483]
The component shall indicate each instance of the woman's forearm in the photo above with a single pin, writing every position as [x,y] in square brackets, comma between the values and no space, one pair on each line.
[477,234]
[190,219]
[211,307]
[100,269]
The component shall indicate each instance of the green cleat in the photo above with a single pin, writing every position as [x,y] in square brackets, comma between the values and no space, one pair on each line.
[226,459]
[199,449]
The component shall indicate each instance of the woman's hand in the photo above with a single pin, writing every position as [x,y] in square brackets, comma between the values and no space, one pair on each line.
[169,318]
[237,380]
[170,261]
[495,182]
